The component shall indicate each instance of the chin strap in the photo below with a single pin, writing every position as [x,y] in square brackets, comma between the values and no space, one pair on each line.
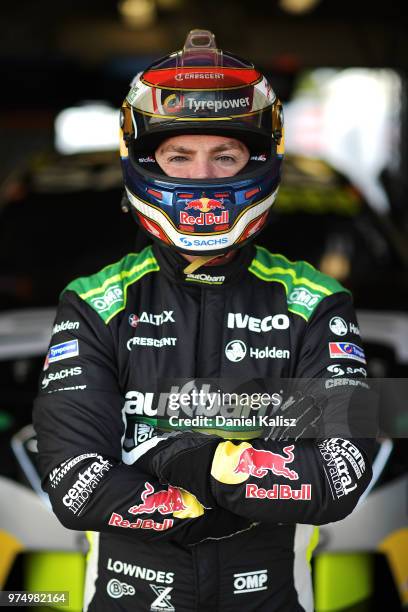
[197,263]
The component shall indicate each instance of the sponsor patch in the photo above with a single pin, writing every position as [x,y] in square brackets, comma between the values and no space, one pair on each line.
[248,582]
[285,491]
[111,296]
[338,326]
[64,350]
[65,326]
[269,352]
[117,589]
[343,464]
[165,501]
[163,599]
[336,370]
[240,321]
[141,573]
[205,278]
[83,487]
[303,297]
[257,463]
[62,374]
[117,520]
[346,350]
[62,470]
[235,350]
[155,342]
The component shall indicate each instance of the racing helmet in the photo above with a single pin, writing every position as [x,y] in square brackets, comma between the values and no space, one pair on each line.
[201,90]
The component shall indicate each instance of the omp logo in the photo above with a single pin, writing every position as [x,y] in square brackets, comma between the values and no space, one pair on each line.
[111,296]
[248,582]
[303,297]
[217,105]
[163,599]
[278,321]
[117,589]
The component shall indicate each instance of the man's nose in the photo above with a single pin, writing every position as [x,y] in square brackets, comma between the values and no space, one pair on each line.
[202,168]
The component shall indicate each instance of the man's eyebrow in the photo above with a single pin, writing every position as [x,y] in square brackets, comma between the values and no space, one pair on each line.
[218,149]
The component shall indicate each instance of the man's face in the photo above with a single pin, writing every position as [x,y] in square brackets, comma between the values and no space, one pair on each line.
[201,156]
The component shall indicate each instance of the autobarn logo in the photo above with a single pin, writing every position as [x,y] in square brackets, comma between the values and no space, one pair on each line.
[240,321]
[218,105]
[205,278]
[111,296]
[54,376]
[248,582]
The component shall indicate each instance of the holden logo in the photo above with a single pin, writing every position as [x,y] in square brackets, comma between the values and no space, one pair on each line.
[338,326]
[235,350]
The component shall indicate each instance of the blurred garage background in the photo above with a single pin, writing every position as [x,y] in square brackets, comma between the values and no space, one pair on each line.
[341,70]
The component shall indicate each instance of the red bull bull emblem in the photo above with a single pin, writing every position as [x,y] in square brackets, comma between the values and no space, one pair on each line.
[285,491]
[258,462]
[165,501]
[206,206]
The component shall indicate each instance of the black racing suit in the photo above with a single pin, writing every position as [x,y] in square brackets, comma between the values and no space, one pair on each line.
[162,506]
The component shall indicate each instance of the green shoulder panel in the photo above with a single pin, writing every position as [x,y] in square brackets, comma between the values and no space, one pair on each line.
[305,286]
[106,291]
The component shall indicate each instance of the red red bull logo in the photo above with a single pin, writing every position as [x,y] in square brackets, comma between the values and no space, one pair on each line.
[165,501]
[258,462]
[206,206]
[117,520]
[252,491]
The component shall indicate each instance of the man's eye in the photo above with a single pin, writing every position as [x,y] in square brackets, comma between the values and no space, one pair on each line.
[177,158]
[226,159]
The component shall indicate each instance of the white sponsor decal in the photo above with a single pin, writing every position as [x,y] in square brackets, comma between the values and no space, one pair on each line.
[156,342]
[205,278]
[116,589]
[157,319]
[278,321]
[269,352]
[217,105]
[142,573]
[183,76]
[60,375]
[111,296]
[59,472]
[235,350]
[345,382]
[64,326]
[339,455]
[346,350]
[248,582]
[303,297]
[338,326]
[336,370]
[163,599]
[86,482]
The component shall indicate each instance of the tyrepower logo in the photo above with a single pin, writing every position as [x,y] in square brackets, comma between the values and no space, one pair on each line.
[346,350]
[248,582]
[303,297]
[240,321]
[64,350]
[217,105]
[60,375]
[111,296]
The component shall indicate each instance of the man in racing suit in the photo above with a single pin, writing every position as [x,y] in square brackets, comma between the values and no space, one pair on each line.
[185,520]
